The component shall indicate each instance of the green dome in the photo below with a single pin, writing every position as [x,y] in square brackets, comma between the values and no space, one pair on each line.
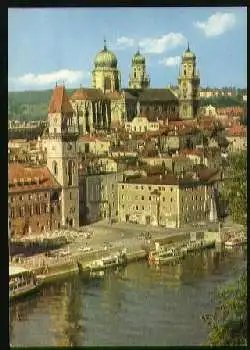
[188,53]
[138,58]
[105,59]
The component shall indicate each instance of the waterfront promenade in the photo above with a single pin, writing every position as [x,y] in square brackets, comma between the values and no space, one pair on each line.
[107,239]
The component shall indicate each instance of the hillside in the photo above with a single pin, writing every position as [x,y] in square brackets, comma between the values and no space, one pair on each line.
[30,105]
[33,105]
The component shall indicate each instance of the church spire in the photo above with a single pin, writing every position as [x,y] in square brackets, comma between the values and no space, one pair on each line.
[188,49]
[105,44]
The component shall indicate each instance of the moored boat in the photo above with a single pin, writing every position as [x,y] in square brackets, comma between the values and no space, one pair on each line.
[238,241]
[22,282]
[164,256]
[112,261]
[193,246]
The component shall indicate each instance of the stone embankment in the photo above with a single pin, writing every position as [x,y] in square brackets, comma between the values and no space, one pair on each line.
[54,268]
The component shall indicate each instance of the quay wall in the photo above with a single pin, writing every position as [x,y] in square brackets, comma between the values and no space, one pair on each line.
[70,265]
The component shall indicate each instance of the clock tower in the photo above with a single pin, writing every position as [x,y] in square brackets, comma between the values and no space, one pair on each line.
[62,151]
[189,84]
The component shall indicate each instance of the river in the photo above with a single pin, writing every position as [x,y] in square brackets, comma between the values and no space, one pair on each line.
[140,305]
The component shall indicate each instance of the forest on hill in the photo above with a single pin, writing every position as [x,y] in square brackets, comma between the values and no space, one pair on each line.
[33,105]
[30,105]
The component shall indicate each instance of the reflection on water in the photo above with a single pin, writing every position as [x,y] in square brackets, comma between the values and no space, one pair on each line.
[139,305]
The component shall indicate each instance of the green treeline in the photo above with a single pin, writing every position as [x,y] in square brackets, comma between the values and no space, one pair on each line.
[223,101]
[30,105]
[33,105]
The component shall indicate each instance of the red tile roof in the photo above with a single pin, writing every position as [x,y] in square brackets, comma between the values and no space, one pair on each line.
[114,95]
[88,94]
[196,152]
[59,101]
[23,178]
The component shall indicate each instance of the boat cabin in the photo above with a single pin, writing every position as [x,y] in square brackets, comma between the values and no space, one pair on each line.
[20,277]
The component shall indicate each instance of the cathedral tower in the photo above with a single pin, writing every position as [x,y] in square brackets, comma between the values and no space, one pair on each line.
[138,77]
[189,82]
[62,154]
[106,75]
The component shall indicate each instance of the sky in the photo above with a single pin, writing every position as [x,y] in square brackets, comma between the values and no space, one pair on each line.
[50,45]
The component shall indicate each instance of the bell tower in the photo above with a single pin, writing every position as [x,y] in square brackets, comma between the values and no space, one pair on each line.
[138,77]
[106,75]
[62,151]
[189,83]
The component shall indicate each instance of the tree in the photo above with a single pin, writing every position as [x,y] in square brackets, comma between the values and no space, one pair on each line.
[228,323]
[235,188]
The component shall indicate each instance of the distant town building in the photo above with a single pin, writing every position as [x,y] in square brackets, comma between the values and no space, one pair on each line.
[165,200]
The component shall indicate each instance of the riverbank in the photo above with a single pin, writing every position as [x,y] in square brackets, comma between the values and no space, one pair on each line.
[66,266]
[51,268]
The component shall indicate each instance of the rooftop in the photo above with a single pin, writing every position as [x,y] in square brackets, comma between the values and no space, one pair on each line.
[59,101]
[23,178]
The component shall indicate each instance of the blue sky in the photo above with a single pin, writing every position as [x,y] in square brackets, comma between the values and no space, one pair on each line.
[49,45]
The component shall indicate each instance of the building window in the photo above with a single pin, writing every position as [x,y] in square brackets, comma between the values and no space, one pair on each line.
[163,199]
[54,167]
[149,187]
[70,195]
[149,198]
[171,189]
[107,83]
[142,197]
[136,207]
[123,187]
[142,207]
[70,172]
[20,198]
[30,196]
[171,199]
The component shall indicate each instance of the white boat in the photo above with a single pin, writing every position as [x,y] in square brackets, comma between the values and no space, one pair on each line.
[193,246]
[159,257]
[233,242]
[21,282]
[108,262]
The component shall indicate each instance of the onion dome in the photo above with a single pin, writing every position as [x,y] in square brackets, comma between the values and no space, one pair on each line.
[105,58]
[188,53]
[138,58]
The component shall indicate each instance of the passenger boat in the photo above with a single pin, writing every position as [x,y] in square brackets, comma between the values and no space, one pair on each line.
[111,261]
[233,242]
[21,282]
[194,246]
[162,256]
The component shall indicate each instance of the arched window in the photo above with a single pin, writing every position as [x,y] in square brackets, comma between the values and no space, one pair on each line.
[107,84]
[70,172]
[54,167]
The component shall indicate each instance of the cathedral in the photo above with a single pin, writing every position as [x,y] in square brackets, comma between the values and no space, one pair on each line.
[107,106]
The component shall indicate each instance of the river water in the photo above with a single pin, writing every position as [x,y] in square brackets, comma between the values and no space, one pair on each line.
[140,305]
